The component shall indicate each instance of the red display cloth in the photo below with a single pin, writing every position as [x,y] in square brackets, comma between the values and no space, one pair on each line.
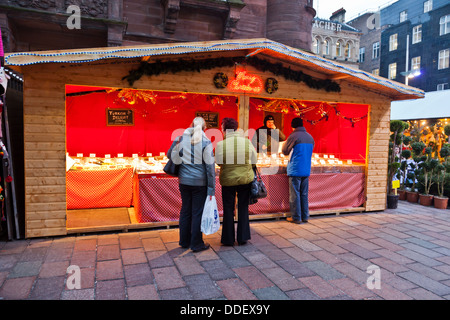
[99,188]
[326,191]
[157,198]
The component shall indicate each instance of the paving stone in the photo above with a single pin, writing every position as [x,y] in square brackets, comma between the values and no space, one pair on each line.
[295,268]
[48,288]
[110,290]
[426,283]
[17,288]
[138,274]
[253,278]
[233,259]
[110,269]
[218,270]
[324,270]
[168,278]
[133,256]
[145,292]
[270,293]
[109,252]
[188,265]
[284,280]
[302,294]
[25,269]
[202,287]
[320,287]
[235,289]
[81,294]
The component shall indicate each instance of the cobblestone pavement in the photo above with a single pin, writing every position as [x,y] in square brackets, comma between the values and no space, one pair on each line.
[331,257]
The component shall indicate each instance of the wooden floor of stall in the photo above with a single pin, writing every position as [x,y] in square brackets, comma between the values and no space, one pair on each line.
[124,219]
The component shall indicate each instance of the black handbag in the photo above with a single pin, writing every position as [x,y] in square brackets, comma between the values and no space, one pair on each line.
[171,168]
[258,189]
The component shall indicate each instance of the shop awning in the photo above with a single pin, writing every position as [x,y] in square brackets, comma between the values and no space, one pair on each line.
[329,69]
[435,105]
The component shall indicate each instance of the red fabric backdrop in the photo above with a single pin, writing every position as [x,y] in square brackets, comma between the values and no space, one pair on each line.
[154,123]
[333,136]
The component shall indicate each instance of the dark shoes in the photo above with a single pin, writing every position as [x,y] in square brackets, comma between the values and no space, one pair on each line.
[206,246]
[290,219]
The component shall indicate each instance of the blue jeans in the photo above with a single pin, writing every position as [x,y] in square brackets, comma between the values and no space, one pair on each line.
[298,197]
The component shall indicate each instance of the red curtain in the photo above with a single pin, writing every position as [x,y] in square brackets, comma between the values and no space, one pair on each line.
[154,123]
[335,135]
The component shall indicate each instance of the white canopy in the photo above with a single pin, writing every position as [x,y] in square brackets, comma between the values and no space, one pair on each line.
[436,104]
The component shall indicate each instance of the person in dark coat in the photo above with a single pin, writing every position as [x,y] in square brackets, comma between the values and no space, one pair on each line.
[299,145]
[267,137]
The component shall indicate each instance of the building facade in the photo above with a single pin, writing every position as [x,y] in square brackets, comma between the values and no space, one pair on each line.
[336,40]
[415,44]
[31,25]
[370,41]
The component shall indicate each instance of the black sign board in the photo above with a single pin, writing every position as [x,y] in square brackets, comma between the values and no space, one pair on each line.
[119,117]
[211,118]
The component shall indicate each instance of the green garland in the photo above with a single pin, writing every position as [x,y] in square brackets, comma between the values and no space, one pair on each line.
[158,67]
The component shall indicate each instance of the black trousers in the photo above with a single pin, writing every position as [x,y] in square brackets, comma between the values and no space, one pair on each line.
[192,202]
[229,202]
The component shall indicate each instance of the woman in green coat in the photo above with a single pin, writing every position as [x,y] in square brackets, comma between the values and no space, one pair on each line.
[236,157]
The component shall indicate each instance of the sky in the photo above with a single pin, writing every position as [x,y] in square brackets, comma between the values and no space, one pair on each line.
[325,8]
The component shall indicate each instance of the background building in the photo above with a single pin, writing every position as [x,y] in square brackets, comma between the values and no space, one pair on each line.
[334,39]
[29,25]
[416,43]
[370,39]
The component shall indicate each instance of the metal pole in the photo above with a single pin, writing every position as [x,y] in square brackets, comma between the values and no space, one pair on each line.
[407,59]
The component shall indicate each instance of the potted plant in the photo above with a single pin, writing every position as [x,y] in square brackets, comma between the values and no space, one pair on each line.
[427,167]
[412,194]
[442,176]
[397,127]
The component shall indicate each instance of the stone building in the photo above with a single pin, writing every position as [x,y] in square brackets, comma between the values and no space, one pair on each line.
[334,39]
[369,46]
[30,25]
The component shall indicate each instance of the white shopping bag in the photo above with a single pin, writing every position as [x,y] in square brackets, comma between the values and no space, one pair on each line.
[210,218]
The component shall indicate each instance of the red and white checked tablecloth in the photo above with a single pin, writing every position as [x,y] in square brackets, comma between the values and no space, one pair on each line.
[157,197]
[109,188]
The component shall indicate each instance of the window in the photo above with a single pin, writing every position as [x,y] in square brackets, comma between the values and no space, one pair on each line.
[347,51]
[376,72]
[375,50]
[444,23]
[326,47]
[362,54]
[415,63]
[442,86]
[427,6]
[403,16]
[393,43]
[316,45]
[443,59]
[392,71]
[338,49]
[417,34]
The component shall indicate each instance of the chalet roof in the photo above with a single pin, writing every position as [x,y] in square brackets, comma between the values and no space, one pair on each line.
[262,47]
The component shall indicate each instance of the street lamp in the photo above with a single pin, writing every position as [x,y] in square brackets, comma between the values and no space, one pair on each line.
[409,74]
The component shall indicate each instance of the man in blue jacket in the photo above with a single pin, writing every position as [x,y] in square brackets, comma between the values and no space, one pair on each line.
[300,145]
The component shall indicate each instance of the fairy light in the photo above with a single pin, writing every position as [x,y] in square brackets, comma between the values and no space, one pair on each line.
[246,82]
